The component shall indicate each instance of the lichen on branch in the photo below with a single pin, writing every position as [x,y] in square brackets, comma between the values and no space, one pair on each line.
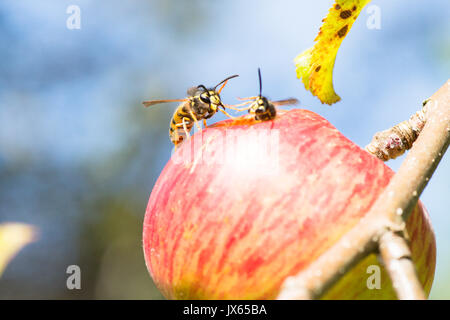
[393,142]
[315,65]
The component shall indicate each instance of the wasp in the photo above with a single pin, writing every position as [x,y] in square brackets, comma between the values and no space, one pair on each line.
[262,108]
[200,104]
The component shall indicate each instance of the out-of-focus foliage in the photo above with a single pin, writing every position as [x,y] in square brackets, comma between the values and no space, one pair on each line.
[315,65]
[13,237]
[82,167]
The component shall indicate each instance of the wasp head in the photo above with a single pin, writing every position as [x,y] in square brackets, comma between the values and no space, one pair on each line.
[210,98]
[263,109]
[261,105]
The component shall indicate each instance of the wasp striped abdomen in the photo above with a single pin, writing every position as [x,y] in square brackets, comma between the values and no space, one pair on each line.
[181,123]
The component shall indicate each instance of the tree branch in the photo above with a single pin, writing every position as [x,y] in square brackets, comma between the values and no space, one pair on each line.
[387,215]
[396,256]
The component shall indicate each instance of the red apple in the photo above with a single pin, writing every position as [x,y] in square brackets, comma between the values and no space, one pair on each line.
[244,204]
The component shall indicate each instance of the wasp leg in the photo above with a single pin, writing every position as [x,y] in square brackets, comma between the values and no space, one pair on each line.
[183,124]
[243,103]
[185,128]
[233,107]
[248,98]
[208,115]
[195,119]
[204,123]
[227,114]
[222,86]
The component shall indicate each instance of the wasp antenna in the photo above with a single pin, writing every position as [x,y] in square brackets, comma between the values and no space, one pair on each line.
[225,80]
[202,87]
[260,82]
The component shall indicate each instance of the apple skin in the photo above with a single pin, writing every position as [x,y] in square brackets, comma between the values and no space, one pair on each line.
[217,229]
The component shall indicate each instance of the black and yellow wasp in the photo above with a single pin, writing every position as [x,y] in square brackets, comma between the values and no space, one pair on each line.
[200,104]
[262,108]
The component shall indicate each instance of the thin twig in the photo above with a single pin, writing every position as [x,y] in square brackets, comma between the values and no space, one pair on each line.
[388,213]
[396,257]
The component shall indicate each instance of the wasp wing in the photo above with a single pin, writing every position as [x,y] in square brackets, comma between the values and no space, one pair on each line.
[153,102]
[291,101]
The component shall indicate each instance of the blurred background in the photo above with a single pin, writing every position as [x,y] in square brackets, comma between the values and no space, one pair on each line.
[79,154]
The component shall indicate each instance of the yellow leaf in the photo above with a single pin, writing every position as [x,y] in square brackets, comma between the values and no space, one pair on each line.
[13,237]
[315,65]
